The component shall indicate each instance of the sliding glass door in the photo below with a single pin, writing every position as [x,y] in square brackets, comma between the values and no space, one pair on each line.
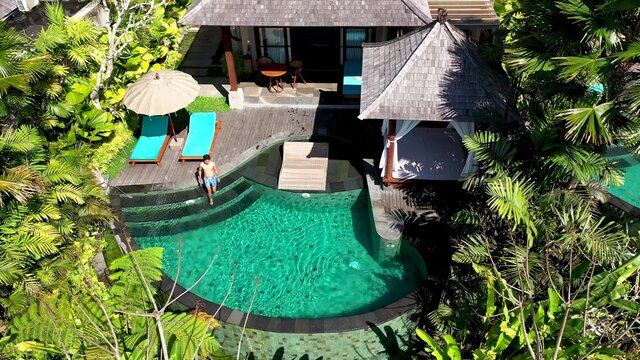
[320,48]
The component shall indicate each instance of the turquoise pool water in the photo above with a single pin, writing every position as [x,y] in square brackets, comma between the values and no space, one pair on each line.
[310,257]
[630,190]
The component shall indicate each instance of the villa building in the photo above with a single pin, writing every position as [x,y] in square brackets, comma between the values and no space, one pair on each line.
[325,35]
[424,78]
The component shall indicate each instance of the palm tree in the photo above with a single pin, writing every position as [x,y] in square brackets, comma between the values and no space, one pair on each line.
[574,57]
[19,70]
[523,240]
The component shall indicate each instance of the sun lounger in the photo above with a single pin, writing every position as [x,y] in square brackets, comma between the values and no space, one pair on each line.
[154,137]
[203,131]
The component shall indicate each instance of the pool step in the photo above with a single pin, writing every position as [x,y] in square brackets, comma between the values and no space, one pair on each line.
[160,197]
[184,208]
[215,214]
[166,197]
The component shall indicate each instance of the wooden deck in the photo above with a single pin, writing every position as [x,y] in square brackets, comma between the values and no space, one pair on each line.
[243,133]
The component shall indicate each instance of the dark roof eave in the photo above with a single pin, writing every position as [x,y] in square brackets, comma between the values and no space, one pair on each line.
[343,13]
[223,22]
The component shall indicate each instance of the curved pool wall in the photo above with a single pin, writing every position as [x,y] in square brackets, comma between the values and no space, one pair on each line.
[357,336]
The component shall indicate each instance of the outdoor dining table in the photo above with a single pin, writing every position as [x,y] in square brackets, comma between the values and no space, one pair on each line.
[274,72]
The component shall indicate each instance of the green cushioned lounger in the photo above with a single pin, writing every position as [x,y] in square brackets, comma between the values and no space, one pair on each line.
[154,138]
[203,129]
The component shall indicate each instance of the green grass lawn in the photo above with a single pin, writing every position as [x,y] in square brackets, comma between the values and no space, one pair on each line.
[208,104]
[112,249]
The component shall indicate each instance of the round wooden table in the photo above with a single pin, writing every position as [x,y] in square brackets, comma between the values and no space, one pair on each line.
[274,72]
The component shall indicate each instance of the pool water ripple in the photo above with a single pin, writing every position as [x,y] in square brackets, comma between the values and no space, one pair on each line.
[312,256]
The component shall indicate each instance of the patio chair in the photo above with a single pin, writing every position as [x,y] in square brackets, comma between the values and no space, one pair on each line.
[203,131]
[261,61]
[153,141]
[296,67]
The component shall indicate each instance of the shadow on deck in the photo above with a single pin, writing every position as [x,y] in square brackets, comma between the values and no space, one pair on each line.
[244,134]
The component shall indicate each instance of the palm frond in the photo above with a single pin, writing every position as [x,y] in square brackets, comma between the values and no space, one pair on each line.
[22,139]
[632,52]
[591,68]
[474,249]
[67,192]
[492,151]
[510,199]
[58,171]
[18,183]
[589,124]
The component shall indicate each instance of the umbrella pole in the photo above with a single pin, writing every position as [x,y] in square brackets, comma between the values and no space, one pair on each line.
[173,129]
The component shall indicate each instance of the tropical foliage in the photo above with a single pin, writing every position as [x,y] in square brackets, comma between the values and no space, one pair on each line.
[51,205]
[50,208]
[124,321]
[577,61]
[543,268]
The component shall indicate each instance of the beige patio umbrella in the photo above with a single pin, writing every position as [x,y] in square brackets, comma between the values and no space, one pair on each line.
[161,92]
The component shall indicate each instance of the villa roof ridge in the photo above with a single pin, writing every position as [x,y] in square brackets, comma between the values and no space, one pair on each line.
[442,78]
[391,41]
[196,5]
[401,71]
[416,7]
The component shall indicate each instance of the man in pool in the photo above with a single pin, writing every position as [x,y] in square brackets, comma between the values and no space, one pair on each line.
[208,174]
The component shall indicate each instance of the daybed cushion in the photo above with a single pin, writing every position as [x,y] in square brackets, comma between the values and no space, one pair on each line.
[352,80]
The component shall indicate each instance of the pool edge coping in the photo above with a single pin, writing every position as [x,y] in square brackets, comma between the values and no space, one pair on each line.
[275,324]
[228,315]
[623,205]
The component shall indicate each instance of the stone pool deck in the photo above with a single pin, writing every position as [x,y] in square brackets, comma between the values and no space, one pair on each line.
[243,134]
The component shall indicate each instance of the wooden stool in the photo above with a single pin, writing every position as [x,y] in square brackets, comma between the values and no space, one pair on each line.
[296,65]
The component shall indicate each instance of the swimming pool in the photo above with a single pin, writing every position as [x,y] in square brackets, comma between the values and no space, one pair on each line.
[305,257]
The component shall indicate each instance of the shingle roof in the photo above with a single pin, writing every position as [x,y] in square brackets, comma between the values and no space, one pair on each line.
[363,13]
[6,7]
[467,14]
[434,74]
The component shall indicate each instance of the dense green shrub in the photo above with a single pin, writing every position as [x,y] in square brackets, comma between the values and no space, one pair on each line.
[238,59]
[105,154]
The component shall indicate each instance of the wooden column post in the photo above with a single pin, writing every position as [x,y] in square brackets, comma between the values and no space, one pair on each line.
[388,174]
[228,55]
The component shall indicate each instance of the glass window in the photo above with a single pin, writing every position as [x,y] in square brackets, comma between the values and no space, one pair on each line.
[272,44]
[353,43]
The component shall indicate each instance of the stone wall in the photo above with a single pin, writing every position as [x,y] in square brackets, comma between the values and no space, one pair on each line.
[367,344]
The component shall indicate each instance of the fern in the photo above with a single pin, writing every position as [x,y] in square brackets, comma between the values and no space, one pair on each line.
[184,332]
[126,273]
